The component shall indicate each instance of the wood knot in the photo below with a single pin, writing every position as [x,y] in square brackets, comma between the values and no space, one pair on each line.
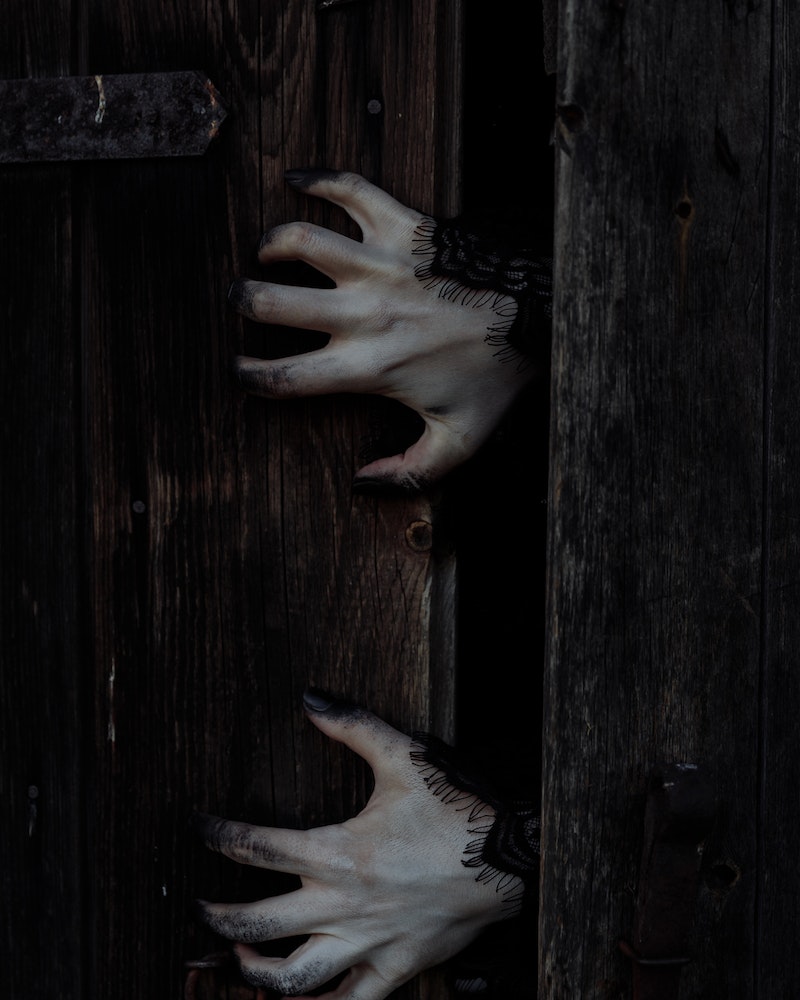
[419,536]
[572,117]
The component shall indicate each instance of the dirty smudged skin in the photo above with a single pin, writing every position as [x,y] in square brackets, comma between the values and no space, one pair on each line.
[383,895]
[241,294]
[286,982]
[238,841]
[277,382]
[241,923]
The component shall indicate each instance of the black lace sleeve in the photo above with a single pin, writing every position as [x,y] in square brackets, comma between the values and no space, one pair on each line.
[505,853]
[468,267]
[505,848]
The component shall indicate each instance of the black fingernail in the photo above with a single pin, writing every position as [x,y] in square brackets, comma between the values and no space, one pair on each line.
[384,487]
[197,910]
[380,487]
[240,295]
[253,376]
[205,827]
[317,701]
[265,240]
[234,366]
[237,369]
[216,960]
[305,178]
[370,487]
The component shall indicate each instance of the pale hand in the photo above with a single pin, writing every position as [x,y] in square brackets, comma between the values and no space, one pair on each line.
[391,333]
[383,895]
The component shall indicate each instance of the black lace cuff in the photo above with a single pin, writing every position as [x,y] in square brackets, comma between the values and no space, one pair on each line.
[505,851]
[471,268]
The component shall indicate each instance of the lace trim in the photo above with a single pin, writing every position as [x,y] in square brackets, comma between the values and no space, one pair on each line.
[476,271]
[505,846]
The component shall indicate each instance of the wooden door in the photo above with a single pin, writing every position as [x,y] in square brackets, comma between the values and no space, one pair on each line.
[180,561]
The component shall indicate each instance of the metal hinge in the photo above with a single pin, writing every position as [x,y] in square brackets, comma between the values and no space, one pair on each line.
[679,815]
[117,117]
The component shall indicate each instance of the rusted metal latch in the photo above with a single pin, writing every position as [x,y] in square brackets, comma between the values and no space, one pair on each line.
[129,116]
[678,817]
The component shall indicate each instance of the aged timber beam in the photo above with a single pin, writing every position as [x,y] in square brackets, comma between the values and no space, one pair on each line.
[108,117]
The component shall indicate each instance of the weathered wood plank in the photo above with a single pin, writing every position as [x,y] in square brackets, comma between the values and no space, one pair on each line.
[42,643]
[778,909]
[172,730]
[656,499]
[231,564]
[42,639]
[325,70]
[356,593]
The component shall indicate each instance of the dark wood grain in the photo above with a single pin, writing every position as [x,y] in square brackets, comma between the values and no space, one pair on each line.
[42,649]
[657,504]
[231,564]
[43,652]
[778,899]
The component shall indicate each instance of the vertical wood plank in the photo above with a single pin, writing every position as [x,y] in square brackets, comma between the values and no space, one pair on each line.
[231,566]
[42,648]
[777,912]
[656,498]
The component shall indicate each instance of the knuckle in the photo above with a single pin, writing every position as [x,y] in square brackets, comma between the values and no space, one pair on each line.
[302,237]
[339,848]
[383,316]
[289,237]
[265,300]
[355,183]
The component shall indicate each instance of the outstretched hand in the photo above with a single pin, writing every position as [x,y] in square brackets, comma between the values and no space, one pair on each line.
[383,895]
[396,330]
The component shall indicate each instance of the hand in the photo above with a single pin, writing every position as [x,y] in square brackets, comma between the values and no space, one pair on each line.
[395,330]
[383,895]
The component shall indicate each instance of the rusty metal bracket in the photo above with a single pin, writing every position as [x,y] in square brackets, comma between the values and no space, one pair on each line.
[129,116]
[679,814]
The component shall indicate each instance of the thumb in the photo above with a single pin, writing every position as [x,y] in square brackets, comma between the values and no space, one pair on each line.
[384,748]
[437,452]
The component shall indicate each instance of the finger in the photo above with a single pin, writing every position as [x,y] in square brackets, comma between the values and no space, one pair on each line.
[376,213]
[313,964]
[331,253]
[361,983]
[304,911]
[384,748]
[288,305]
[290,851]
[331,369]
[425,462]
